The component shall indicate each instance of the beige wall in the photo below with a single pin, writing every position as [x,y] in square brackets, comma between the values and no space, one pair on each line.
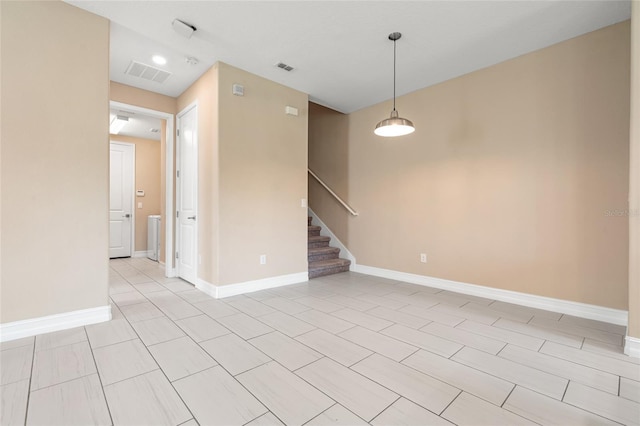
[54,192]
[205,92]
[634,178]
[508,178]
[157,102]
[148,166]
[263,177]
[251,177]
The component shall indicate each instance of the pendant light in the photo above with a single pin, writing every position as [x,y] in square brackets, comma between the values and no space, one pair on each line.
[394,125]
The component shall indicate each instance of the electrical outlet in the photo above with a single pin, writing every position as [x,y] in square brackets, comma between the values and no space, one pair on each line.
[423,257]
[263,259]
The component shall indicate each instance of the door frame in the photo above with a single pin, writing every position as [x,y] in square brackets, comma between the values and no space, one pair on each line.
[133,192]
[187,109]
[169,269]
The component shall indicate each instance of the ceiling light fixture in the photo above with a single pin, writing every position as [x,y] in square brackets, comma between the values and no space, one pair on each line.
[117,123]
[160,60]
[182,28]
[394,125]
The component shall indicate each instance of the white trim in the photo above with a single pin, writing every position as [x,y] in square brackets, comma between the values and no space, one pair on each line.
[141,253]
[583,310]
[206,287]
[192,106]
[335,241]
[33,326]
[222,291]
[169,172]
[632,346]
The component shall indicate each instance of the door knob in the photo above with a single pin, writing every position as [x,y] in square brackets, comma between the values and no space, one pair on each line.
[127,215]
[191,217]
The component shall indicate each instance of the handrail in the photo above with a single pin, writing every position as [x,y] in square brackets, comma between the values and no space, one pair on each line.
[345,205]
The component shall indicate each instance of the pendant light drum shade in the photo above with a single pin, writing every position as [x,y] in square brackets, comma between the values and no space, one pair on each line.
[394,125]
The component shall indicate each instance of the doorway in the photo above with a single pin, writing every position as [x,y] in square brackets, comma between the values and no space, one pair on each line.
[168,166]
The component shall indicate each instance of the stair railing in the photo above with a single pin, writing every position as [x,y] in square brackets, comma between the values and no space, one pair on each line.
[340,200]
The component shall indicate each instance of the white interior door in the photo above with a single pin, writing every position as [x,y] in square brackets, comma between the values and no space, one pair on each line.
[121,176]
[187,196]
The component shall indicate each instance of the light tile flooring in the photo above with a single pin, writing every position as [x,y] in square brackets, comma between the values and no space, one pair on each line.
[346,349]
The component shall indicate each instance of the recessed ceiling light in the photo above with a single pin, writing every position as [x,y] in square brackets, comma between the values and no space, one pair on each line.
[160,60]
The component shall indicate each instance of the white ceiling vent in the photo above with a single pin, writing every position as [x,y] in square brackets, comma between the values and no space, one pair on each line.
[138,69]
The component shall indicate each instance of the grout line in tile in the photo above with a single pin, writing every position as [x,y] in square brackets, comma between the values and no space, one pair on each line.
[99,377]
[507,344]
[33,361]
[319,414]
[445,408]
[385,408]
[454,354]
[509,394]
[402,360]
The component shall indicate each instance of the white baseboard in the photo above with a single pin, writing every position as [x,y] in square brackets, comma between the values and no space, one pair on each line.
[583,310]
[33,326]
[141,253]
[222,291]
[632,346]
[335,241]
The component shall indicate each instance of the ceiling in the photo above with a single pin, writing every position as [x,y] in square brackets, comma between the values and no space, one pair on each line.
[339,49]
[139,125]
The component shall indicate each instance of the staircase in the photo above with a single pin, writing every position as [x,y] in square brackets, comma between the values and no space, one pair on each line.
[323,259]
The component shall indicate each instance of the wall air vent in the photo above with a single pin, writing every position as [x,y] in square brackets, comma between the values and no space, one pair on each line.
[138,69]
[284,66]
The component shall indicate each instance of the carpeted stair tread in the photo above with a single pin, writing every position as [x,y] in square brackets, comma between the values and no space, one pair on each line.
[322,253]
[327,267]
[318,241]
[314,231]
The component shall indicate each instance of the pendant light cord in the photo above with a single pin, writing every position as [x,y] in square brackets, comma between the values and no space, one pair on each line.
[394,75]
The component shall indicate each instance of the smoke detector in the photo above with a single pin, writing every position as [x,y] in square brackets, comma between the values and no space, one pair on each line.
[191,60]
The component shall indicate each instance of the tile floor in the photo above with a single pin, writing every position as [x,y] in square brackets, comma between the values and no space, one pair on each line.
[346,349]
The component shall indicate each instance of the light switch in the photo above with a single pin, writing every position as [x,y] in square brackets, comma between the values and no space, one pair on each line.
[140,205]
